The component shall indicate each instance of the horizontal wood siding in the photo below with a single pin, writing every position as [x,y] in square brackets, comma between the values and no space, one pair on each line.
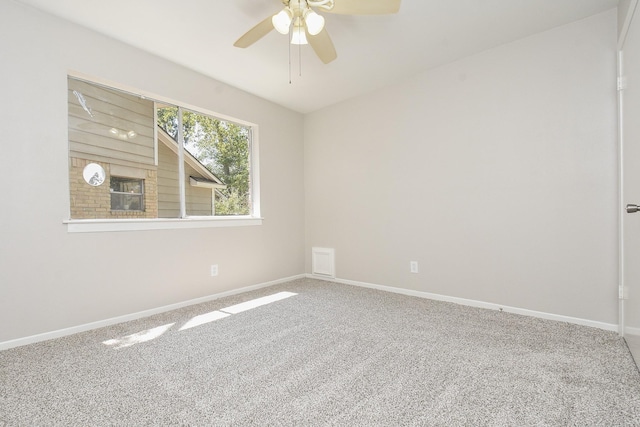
[92,137]
[168,194]
[198,200]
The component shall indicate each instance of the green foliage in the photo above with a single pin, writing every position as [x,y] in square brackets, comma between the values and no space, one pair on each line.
[232,203]
[222,147]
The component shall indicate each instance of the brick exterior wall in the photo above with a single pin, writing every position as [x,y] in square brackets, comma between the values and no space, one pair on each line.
[89,202]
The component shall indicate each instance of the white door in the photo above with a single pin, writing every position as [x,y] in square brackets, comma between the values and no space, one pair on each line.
[630,138]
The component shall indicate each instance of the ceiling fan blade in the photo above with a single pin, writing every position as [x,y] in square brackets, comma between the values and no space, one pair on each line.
[255,34]
[364,7]
[323,46]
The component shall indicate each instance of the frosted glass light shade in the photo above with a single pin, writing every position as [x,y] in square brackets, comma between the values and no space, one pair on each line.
[314,22]
[298,36]
[282,21]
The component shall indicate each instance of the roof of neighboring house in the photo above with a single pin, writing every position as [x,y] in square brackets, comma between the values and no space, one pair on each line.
[198,181]
[191,160]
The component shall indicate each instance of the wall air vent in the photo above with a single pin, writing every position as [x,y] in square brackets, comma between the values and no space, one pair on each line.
[323,262]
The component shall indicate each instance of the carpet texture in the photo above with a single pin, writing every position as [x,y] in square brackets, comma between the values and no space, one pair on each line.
[331,354]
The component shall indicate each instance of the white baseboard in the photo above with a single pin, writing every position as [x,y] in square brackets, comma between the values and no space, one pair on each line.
[632,331]
[133,316]
[474,303]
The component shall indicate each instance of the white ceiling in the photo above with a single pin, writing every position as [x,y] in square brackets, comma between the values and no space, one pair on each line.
[373,51]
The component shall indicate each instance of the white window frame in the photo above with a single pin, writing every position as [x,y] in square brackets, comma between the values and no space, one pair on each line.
[187,222]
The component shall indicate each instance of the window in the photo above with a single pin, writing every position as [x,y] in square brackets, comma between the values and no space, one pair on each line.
[131,157]
[127,194]
[216,161]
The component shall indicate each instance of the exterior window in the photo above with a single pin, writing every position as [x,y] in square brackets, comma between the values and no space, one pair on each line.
[131,157]
[215,150]
[127,194]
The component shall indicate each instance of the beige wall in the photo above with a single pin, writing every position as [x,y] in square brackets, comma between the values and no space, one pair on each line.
[51,279]
[624,17]
[497,173]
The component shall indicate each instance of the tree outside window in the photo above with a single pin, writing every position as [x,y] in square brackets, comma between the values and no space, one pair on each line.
[222,147]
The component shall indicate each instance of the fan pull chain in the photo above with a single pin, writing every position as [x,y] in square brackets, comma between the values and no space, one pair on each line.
[290,39]
[289,44]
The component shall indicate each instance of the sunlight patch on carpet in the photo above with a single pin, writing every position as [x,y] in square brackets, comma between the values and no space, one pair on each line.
[138,337]
[204,318]
[248,305]
[201,319]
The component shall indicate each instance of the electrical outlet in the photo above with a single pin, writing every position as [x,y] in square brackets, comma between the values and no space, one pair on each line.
[413,266]
[214,270]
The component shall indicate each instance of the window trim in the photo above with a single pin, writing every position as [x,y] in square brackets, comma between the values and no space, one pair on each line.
[187,222]
[105,225]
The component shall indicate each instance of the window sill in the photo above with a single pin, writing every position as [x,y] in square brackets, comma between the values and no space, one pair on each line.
[102,225]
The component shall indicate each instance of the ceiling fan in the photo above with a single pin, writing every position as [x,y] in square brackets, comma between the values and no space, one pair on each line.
[307,26]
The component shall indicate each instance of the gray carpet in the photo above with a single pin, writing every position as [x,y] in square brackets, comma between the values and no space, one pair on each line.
[333,355]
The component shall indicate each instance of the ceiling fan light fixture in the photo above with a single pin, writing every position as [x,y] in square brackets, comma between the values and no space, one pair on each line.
[309,27]
[298,36]
[282,21]
[314,22]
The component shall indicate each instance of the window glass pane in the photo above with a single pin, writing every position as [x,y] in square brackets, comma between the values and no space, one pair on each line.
[111,132]
[126,202]
[124,152]
[127,194]
[168,119]
[216,163]
[168,185]
[126,185]
[222,148]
